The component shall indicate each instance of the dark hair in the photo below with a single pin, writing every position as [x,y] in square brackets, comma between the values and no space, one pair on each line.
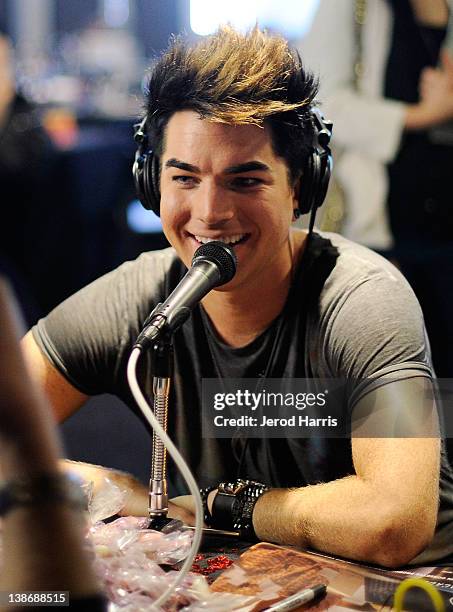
[236,78]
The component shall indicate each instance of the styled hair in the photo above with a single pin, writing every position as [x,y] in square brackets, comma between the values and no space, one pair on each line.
[235,78]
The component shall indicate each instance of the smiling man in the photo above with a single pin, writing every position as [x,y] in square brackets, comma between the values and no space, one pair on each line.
[225,149]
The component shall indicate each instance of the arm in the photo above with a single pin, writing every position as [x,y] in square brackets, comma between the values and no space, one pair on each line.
[34,536]
[436,91]
[64,398]
[384,514]
[90,335]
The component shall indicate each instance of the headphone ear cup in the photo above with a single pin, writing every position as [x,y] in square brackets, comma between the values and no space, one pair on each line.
[308,183]
[138,172]
[146,179]
[326,172]
[318,166]
[154,178]
[314,181]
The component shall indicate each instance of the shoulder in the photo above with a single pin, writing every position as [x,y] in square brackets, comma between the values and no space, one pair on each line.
[119,300]
[367,316]
[357,266]
[158,263]
[88,337]
[145,278]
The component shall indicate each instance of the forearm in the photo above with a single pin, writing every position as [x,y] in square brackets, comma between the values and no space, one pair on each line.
[347,517]
[137,499]
[423,116]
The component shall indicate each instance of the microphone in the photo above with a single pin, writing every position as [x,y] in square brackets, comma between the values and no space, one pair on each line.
[213,264]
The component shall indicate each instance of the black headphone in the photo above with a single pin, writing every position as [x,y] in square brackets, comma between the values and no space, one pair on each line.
[316,172]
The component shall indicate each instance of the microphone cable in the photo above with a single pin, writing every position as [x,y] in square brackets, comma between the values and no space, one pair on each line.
[181,465]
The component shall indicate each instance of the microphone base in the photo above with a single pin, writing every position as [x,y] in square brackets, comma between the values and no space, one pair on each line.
[165,524]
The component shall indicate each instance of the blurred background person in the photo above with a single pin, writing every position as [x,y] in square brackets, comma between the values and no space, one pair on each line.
[41,510]
[386,73]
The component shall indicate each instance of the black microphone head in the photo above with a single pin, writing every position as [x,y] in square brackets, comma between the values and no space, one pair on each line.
[222,255]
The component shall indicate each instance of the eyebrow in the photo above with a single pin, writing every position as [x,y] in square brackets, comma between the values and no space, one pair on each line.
[176,163]
[251,166]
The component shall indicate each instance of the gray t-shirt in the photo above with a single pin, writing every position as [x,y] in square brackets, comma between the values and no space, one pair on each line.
[349,314]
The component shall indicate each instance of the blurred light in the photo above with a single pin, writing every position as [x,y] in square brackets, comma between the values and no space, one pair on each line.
[207,15]
[116,13]
[142,221]
[292,18]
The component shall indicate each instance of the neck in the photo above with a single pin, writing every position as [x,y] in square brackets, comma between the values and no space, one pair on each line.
[234,313]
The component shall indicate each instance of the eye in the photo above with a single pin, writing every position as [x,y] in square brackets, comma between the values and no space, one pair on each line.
[184,180]
[244,182]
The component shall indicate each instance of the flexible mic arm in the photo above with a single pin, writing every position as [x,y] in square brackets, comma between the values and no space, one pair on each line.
[213,264]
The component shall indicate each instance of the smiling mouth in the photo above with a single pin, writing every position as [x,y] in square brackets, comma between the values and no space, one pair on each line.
[233,240]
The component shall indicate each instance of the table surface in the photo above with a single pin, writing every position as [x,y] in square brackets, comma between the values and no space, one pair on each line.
[351,586]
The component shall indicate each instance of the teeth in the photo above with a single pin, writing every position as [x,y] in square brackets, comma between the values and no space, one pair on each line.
[225,239]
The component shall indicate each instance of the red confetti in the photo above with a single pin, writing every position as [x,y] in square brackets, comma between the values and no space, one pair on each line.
[214,564]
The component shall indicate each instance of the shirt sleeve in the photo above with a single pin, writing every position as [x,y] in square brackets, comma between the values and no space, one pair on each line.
[375,333]
[88,337]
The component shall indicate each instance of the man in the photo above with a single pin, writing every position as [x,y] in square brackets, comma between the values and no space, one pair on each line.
[230,124]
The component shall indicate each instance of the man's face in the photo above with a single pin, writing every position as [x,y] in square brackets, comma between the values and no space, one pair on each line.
[224,182]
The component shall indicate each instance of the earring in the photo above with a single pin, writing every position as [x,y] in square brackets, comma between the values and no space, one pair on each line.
[296,213]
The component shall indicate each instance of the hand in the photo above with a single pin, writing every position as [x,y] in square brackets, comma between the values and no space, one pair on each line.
[436,90]
[182,508]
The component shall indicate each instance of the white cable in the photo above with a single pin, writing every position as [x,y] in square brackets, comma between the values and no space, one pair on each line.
[182,466]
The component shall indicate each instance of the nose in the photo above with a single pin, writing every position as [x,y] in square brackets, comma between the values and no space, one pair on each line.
[213,206]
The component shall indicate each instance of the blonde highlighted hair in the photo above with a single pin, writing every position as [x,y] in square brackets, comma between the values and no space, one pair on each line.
[236,78]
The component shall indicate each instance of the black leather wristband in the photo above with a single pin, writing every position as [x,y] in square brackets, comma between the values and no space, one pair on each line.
[223,510]
[234,504]
[207,518]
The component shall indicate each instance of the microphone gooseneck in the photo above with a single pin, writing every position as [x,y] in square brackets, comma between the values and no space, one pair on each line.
[213,264]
